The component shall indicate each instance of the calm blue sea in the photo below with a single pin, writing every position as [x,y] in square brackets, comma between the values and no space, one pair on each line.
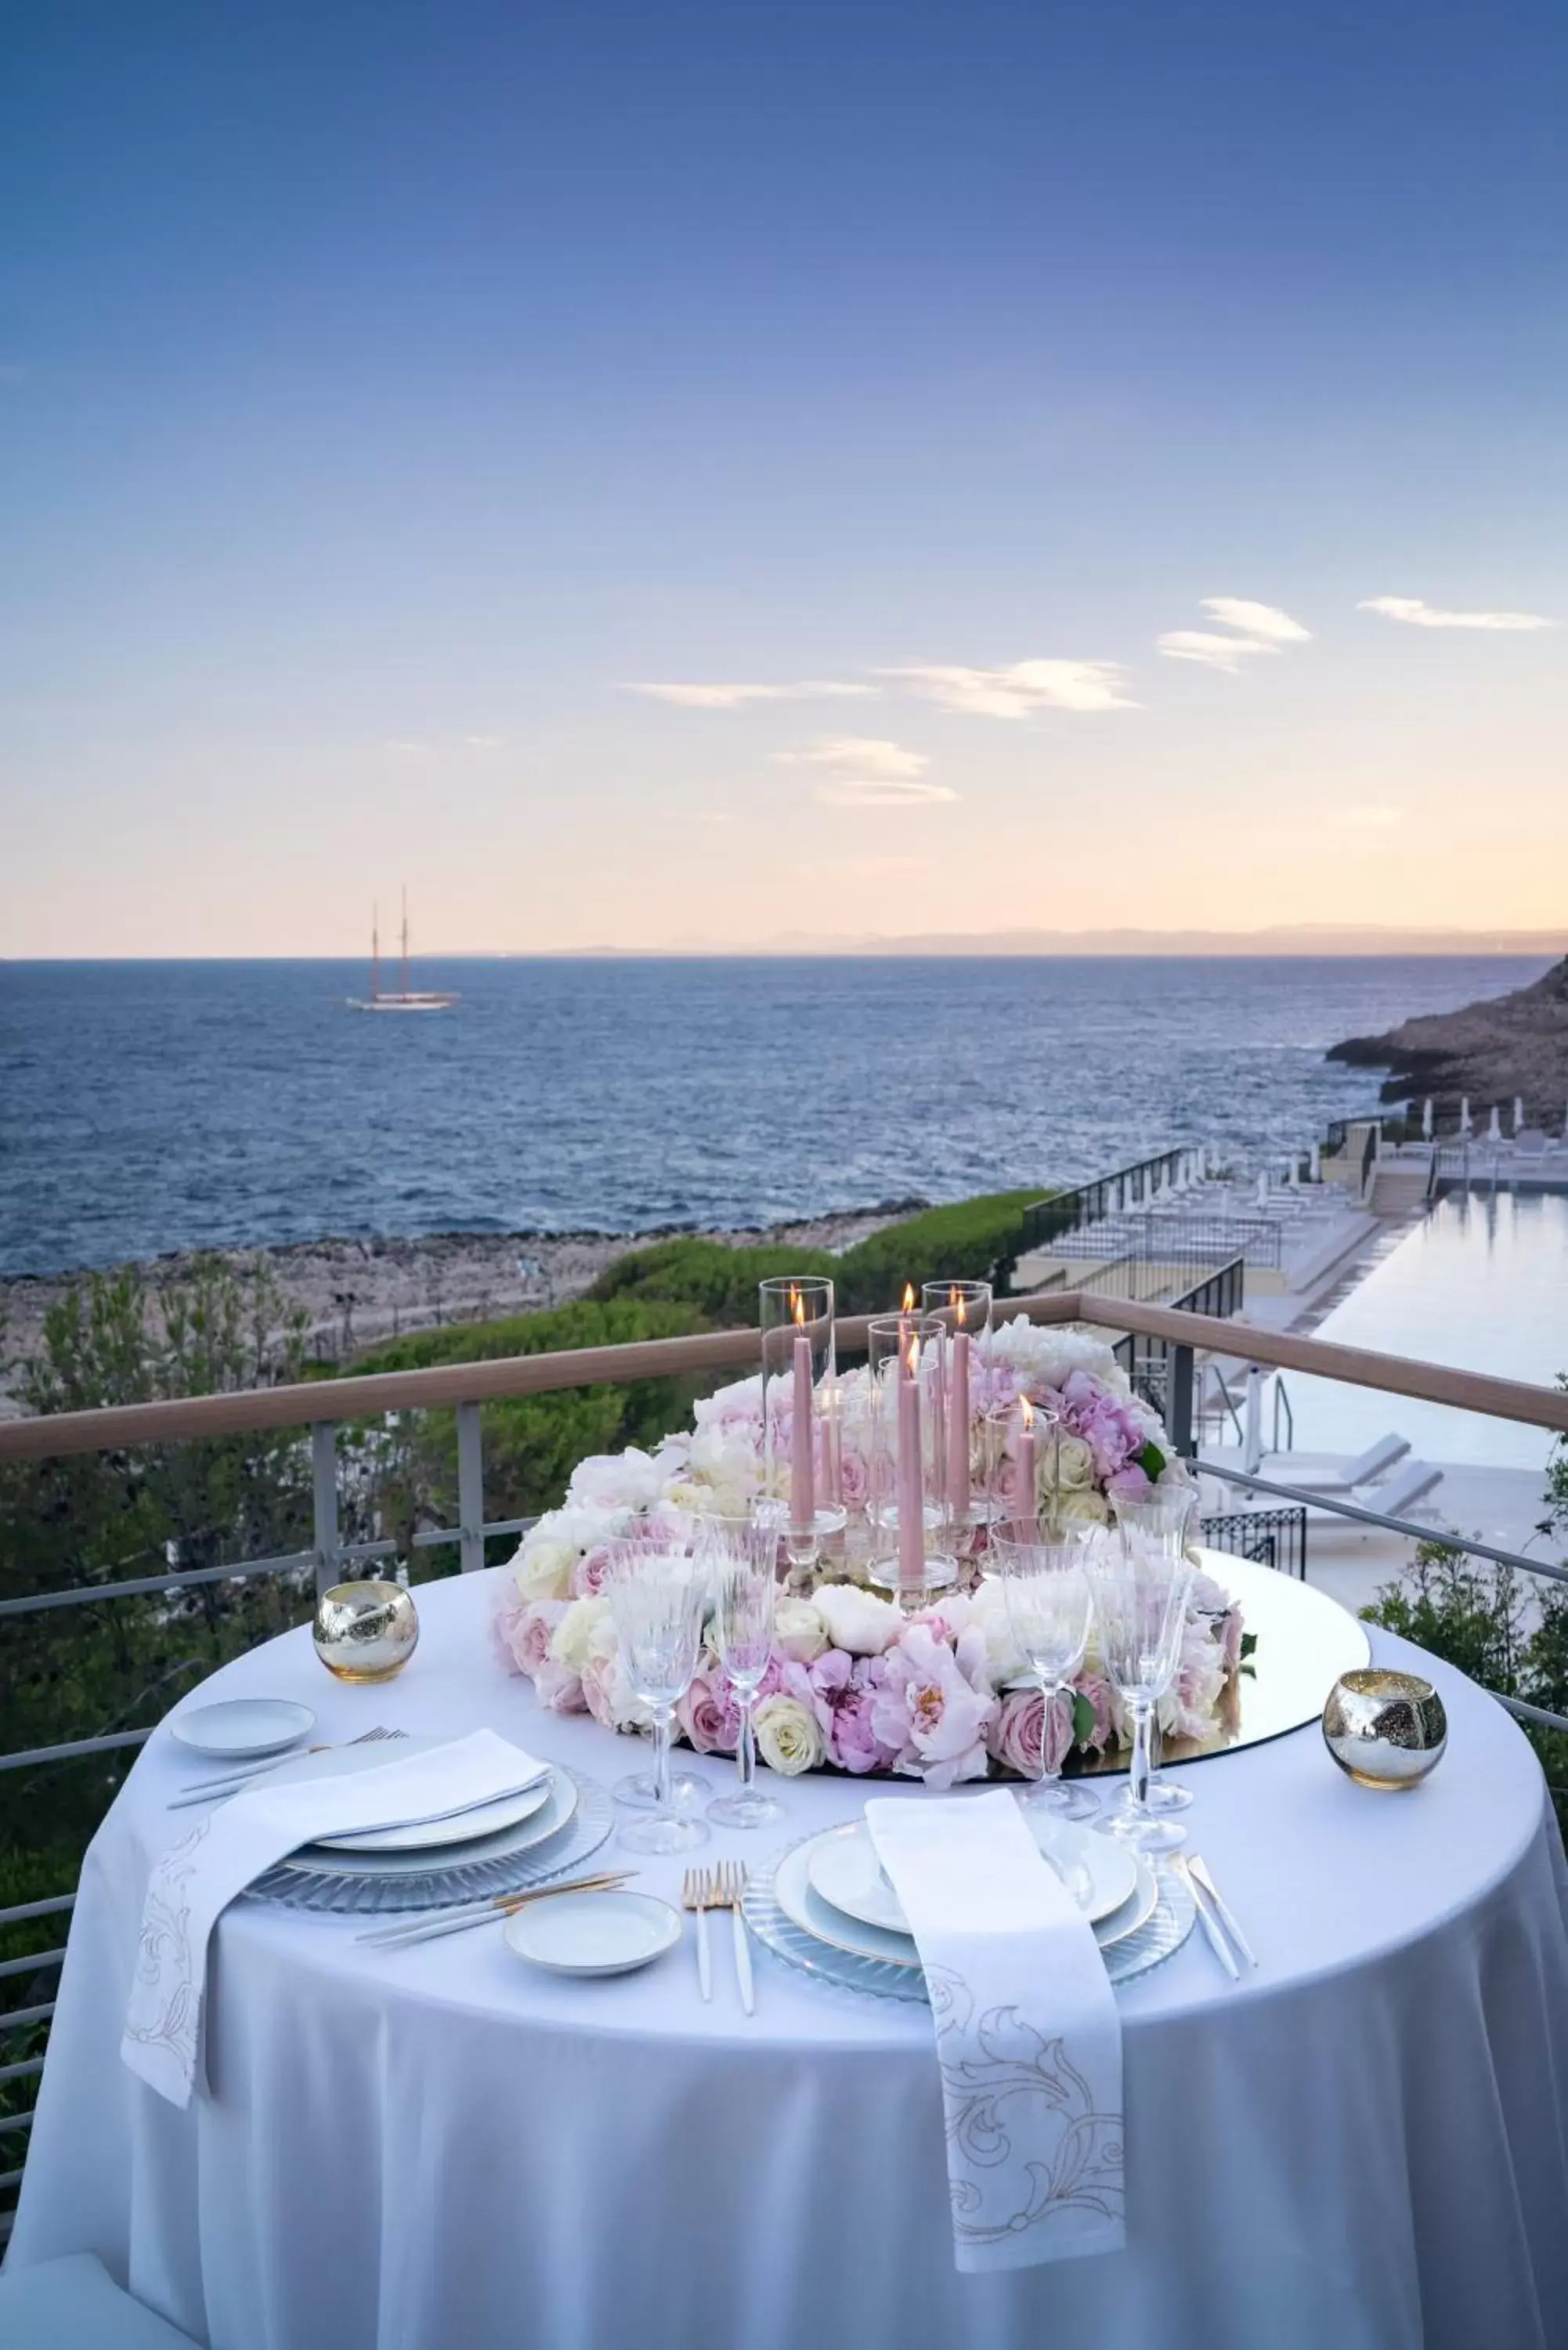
[147,1107]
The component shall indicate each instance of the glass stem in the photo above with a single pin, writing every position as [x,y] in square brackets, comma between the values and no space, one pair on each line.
[1154,1744]
[1048,1692]
[746,1753]
[663,1722]
[1138,1768]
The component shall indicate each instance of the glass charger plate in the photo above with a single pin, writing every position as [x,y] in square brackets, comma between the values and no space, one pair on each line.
[351,1892]
[1162,1933]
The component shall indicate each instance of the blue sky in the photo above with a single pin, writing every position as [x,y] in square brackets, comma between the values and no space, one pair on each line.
[385,391]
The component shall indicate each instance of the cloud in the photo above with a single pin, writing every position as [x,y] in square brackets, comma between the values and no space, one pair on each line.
[733,697]
[398,744]
[482,742]
[862,772]
[1018,691]
[1365,819]
[1255,628]
[1417,614]
[1214,652]
[1265,622]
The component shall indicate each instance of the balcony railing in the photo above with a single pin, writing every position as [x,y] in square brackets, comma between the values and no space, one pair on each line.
[1162,1345]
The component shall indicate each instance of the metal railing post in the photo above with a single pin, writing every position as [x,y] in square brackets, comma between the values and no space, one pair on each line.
[469,1488]
[1180,1400]
[324,1492]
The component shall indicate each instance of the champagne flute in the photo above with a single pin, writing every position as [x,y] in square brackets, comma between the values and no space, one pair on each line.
[1046,1587]
[658,1597]
[1162,1514]
[741,1555]
[1140,1587]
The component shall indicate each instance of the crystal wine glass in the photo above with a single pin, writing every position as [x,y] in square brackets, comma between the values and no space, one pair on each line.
[1046,1587]
[1163,1515]
[657,1598]
[741,1555]
[1140,1586]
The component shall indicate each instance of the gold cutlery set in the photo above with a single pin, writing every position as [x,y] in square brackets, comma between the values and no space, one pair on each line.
[721,1888]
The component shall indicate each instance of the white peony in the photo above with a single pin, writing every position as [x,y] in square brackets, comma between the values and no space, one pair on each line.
[857,1621]
[616,1481]
[789,1738]
[1005,1661]
[799,1631]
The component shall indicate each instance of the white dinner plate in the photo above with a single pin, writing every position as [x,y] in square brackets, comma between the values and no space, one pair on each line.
[502,1844]
[244,1729]
[845,1871]
[593,1933]
[422,1835]
[807,1909]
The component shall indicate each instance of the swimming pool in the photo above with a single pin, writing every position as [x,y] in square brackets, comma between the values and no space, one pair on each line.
[1482,1284]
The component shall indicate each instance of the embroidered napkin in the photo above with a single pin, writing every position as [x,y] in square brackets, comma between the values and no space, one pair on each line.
[1029,2041]
[239,1841]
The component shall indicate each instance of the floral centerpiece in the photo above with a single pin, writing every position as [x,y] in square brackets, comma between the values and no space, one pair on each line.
[854,1684]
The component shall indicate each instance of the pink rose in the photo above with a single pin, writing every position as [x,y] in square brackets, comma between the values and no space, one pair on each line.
[559,1689]
[525,1628]
[1098,1693]
[1014,1736]
[589,1573]
[709,1716]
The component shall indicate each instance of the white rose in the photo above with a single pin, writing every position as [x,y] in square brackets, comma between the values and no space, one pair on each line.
[857,1621]
[798,1631]
[542,1568]
[789,1739]
[1005,1661]
[582,1633]
[1089,1506]
[616,1481]
[1074,1465]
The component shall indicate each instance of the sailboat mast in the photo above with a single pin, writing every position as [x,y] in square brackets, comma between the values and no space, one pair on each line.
[405,938]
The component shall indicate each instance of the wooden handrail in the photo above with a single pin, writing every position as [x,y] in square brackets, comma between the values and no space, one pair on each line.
[58,1435]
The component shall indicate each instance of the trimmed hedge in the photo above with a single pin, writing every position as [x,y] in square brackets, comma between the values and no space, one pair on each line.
[720,1282]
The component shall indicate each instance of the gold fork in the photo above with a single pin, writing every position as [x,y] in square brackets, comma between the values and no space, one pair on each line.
[697,1894]
[729,1884]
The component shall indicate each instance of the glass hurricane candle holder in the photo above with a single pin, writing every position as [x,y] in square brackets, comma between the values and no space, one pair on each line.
[907,1506]
[365,1631]
[801,1464]
[963,1308]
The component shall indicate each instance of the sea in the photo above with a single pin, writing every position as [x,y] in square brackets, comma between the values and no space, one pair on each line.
[151,1107]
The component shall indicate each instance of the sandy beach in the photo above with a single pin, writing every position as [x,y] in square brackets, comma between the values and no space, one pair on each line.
[355,1293]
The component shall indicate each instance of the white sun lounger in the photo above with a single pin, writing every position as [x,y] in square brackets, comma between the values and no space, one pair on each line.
[1399,1496]
[1338,1477]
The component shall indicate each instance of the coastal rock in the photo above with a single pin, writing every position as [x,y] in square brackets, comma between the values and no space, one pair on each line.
[1505,1045]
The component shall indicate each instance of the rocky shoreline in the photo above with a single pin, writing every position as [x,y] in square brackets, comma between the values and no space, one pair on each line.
[1488,1052]
[355,1293]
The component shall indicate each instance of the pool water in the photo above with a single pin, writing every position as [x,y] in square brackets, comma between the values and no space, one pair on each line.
[1481,1283]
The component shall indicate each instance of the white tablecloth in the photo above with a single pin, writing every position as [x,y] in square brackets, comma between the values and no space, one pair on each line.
[441,2149]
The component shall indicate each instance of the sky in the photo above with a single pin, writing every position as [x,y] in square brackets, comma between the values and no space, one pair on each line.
[657,475]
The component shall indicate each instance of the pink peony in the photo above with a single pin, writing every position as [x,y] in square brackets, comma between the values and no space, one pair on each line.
[1129,1484]
[844,1690]
[1014,1736]
[928,1712]
[559,1689]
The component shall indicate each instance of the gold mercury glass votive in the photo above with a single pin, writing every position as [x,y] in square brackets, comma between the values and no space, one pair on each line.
[365,1631]
[1385,1729]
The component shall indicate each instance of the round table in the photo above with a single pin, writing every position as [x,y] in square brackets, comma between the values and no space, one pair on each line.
[1364,2143]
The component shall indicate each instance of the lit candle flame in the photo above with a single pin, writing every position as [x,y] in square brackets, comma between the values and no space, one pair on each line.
[1027,1408]
[799,1310]
[955,1299]
[909,1297]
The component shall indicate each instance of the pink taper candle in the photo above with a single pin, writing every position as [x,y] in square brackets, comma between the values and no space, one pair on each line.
[911,1485]
[802,1495]
[1023,1488]
[958,1429]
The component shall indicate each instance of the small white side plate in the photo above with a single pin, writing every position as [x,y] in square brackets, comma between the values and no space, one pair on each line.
[593,1933]
[242,1729]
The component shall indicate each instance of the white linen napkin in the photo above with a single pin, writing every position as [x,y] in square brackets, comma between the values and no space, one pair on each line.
[239,1841]
[1029,2041]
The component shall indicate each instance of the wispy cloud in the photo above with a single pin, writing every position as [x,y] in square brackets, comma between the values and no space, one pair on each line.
[482,742]
[1365,819]
[734,697]
[1020,691]
[398,743]
[1254,629]
[1417,614]
[859,771]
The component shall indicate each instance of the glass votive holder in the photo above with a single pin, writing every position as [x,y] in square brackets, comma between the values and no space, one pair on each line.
[365,1631]
[802,1460]
[907,1507]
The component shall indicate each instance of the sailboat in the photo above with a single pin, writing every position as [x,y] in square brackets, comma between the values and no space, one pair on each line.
[399,998]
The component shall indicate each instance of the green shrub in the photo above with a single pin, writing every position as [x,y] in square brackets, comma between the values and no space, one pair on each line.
[720,1282]
[966,1242]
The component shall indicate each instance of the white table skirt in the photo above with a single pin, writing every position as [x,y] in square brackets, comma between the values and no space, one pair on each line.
[440,2150]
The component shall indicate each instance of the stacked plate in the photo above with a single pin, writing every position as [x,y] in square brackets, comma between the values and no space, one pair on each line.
[498,1848]
[827,1906]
